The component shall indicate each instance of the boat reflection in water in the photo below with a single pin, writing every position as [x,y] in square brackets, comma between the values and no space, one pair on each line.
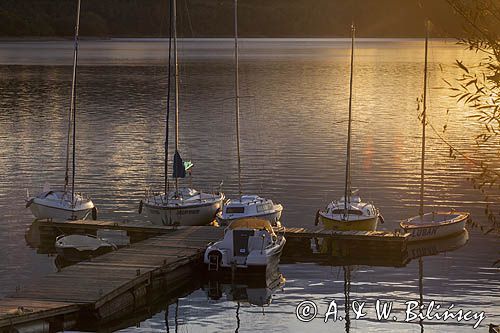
[249,290]
[414,251]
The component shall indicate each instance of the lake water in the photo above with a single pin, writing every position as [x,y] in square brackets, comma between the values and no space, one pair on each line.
[293,150]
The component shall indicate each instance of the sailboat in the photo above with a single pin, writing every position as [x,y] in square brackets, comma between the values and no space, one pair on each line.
[434,224]
[349,213]
[182,206]
[245,206]
[65,204]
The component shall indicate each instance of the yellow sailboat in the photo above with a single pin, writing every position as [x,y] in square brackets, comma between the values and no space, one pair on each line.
[349,213]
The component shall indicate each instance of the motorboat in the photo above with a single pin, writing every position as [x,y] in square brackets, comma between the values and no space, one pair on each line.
[247,244]
[435,225]
[250,206]
[351,215]
[182,205]
[79,247]
[61,205]
[185,207]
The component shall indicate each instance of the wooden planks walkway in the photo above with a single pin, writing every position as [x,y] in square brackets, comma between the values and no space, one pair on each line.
[96,284]
[148,228]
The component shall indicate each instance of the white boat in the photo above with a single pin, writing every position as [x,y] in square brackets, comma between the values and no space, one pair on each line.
[65,204]
[435,224]
[245,205]
[349,213]
[247,244]
[79,247]
[248,206]
[181,206]
[58,205]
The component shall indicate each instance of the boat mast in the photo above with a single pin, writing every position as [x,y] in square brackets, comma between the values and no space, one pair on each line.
[174,7]
[72,111]
[347,190]
[237,93]
[167,116]
[424,120]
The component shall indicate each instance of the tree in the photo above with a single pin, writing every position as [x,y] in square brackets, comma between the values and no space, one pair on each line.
[478,89]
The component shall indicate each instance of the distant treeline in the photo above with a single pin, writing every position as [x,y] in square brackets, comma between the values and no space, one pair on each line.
[214,18]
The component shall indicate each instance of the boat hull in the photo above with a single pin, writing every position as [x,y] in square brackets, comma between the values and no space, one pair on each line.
[42,212]
[369,224]
[432,232]
[72,254]
[184,215]
[273,218]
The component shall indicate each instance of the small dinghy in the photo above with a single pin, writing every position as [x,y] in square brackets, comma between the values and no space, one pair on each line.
[435,225]
[61,205]
[247,244]
[250,206]
[79,247]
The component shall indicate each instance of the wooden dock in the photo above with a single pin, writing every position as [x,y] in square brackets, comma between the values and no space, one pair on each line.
[160,258]
[109,284]
[141,230]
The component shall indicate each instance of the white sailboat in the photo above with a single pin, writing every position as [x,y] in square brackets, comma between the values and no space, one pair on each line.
[434,224]
[349,213]
[245,206]
[182,206]
[65,204]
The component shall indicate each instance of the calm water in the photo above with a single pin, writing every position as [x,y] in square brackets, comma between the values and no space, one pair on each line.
[293,138]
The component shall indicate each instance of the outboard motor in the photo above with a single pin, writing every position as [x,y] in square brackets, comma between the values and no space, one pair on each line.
[94,213]
[214,260]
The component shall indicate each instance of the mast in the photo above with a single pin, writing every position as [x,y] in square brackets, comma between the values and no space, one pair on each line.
[167,116]
[424,120]
[174,7]
[347,190]
[237,93]
[72,112]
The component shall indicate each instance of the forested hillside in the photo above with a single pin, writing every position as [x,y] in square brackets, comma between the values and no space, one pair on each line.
[213,18]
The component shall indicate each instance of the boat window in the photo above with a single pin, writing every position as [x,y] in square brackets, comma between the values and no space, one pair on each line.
[235,210]
[350,212]
[263,207]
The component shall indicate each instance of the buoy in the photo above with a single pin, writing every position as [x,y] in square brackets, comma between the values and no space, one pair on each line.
[94,213]
[316,220]
[381,218]
[140,207]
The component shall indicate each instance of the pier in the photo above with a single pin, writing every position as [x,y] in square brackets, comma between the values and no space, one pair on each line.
[160,258]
